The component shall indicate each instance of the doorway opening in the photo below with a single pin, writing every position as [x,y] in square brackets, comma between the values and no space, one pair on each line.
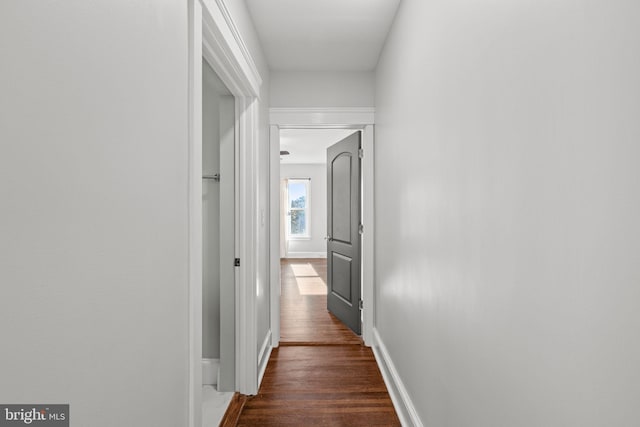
[303,239]
[214,39]
[218,244]
[348,120]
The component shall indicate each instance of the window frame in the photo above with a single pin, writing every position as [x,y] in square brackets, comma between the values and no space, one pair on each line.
[307,209]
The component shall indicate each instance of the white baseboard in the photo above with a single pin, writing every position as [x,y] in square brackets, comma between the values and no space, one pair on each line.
[263,357]
[306,255]
[399,394]
[210,371]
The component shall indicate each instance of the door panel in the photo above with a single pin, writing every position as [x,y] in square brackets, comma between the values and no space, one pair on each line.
[341,198]
[343,220]
[341,273]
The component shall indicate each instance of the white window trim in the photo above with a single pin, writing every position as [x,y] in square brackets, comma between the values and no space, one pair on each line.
[307,210]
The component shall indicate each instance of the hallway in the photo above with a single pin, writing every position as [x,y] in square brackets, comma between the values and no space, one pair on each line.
[321,374]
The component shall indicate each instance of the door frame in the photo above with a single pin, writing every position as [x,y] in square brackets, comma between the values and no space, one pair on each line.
[214,36]
[325,118]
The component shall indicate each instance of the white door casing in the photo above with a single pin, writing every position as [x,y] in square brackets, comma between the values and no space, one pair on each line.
[214,36]
[326,118]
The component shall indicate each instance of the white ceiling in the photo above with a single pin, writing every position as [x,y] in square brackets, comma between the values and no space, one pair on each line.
[322,35]
[309,146]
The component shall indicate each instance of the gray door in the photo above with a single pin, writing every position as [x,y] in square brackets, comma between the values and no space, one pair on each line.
[343,228]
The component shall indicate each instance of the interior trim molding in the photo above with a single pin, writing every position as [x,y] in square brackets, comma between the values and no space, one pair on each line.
[399,395]
[322,117]
[274,233]
[240,43]
[223,40]
[210,368]
[247,246]
[368,238]
[263,357]
[195,214]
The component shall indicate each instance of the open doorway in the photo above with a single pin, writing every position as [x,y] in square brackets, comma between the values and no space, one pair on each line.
[218,244]
[303,181]
[350,119]
[283,119]
[213,38]
[304,318]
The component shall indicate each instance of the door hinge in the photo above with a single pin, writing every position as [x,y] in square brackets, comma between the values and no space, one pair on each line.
[361,229]
[236,262]
[360,152]
[360,304]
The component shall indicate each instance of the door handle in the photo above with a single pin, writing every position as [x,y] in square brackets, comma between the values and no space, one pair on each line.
[327,238]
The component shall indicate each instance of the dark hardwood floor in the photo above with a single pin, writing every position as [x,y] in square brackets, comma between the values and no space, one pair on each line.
[322,374]
[321,386]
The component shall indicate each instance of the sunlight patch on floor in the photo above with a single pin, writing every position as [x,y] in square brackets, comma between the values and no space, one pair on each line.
[303,269]
[311,286]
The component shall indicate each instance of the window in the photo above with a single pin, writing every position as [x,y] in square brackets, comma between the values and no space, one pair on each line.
[298,223]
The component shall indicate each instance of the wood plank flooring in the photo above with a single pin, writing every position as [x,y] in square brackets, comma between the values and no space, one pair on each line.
[234,410]
[321,386]
[321,375]
[304,318]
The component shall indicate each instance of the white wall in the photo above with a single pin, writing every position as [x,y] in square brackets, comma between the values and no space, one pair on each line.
[318,199]
[93,180]
[322,89]
[507,206]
